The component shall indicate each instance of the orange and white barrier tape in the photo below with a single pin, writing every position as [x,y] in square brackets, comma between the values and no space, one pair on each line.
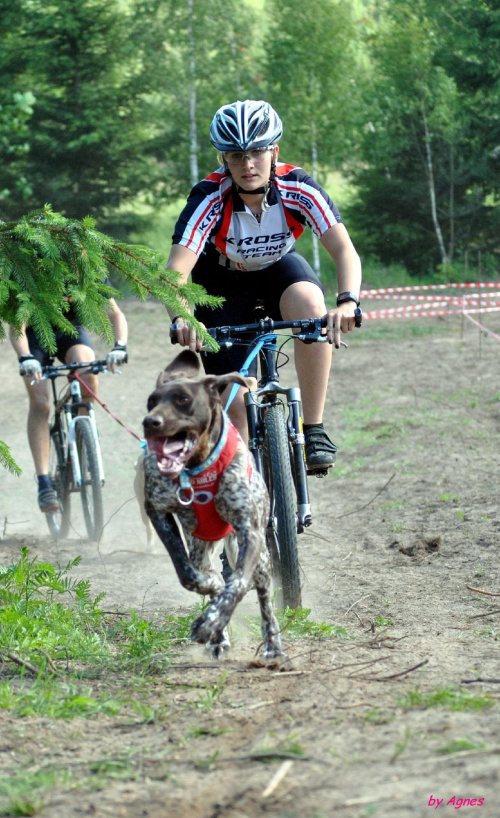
[437,304]
[468,284]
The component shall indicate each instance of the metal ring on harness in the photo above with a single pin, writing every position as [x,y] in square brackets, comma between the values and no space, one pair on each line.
[185,501]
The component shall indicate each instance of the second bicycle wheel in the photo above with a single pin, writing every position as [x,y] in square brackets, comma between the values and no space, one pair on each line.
[278,475]
[91,489]
[59,470]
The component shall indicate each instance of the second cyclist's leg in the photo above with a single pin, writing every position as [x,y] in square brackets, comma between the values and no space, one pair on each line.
[39,442]
[81,353]
[304,299]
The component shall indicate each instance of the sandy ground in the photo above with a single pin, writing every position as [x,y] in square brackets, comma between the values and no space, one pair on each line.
[408,521]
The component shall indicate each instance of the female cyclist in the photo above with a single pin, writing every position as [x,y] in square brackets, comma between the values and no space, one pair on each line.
[236,236]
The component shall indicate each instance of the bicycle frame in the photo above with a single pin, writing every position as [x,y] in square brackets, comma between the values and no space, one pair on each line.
[70,409]
[269,392]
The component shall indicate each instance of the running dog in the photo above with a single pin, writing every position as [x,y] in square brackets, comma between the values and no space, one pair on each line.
[200,488]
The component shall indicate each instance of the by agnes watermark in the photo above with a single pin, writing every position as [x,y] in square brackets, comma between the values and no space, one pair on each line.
[455,802]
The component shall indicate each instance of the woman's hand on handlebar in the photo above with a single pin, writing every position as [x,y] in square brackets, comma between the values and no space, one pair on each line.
[185,335]
[343,318]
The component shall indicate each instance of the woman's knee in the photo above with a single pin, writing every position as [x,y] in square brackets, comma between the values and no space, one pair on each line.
[304,299]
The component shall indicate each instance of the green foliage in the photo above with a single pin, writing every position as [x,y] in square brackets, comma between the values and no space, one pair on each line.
[308,93]
[46,259]
[430,129]
[460,745]
[297,625]
[450,698]
[112,114]
[6,459]
[50,621]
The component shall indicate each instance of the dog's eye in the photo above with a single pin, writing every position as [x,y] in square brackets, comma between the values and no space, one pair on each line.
[152,402]
[181,399]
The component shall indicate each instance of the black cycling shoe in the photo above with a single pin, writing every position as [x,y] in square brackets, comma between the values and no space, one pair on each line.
[320,451]
[47,500]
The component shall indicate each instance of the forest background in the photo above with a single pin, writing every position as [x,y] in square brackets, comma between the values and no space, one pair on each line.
[393,105]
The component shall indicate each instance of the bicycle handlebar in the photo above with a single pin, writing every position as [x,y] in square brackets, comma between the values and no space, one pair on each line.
[95,367]
[310,329]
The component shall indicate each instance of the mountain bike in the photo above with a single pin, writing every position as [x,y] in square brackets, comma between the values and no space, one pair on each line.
[76,465]
[276,439]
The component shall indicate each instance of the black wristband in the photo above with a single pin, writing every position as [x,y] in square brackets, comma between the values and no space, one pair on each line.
[342,298]
[122,347]
[23,358]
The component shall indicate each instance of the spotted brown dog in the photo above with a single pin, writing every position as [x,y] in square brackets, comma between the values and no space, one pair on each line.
[201,487]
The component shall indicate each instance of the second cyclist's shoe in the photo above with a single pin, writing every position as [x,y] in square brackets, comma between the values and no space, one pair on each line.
[47,500]
[320,451]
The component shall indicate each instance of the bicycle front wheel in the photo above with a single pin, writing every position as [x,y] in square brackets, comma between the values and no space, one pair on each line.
[60,473]
[279,478]
[90,489]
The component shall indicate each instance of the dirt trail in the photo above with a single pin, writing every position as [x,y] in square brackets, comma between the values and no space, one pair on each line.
[408,521]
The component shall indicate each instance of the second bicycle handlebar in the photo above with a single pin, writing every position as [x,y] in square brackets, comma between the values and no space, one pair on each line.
[95,367]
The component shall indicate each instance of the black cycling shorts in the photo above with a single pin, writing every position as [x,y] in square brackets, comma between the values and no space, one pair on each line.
[63,341]
[243,290]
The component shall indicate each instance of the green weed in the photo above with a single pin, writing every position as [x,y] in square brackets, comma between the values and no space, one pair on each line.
[448,697]
[460,745]
[23,793]
[401,744]
[382,622]
[211,694]
[297,625]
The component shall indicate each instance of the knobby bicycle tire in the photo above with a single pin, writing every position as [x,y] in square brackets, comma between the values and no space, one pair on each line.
[90,490]
[278,475]
[60,473]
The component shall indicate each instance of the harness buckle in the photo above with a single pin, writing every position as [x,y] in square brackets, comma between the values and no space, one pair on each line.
[185,488]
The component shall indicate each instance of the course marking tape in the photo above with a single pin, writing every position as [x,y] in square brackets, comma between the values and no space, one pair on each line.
[479,299]
[404,313]
[469,285]
[481,327]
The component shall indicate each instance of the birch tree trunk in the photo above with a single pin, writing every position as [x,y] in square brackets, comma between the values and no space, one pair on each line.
[314,156]
[193,141]
[432,190]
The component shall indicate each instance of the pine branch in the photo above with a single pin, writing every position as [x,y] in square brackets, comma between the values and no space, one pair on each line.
[45,257]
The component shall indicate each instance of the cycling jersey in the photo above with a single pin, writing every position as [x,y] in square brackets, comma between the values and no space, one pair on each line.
[216,216]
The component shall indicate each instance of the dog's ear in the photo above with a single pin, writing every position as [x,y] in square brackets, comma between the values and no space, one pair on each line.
[219,382]
[186,365]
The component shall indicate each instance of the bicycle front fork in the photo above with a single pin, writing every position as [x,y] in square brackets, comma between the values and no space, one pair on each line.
[256,432]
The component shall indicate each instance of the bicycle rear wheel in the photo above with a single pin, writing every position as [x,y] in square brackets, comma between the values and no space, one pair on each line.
[90,489]
[60,472]
[279,479]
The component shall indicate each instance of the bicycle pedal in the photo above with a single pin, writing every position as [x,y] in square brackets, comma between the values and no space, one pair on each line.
[318,472]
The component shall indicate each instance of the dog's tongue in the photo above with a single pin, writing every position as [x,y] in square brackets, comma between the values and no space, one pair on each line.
[170,454]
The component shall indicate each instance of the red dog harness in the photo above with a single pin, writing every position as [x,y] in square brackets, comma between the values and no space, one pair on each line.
[201,485]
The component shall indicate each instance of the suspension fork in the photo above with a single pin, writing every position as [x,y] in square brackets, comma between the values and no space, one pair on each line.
[297,439]
[295,435]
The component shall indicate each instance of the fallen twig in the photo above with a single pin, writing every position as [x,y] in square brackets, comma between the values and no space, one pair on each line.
[22,663]
[398,675]
[49,663]
[480,679]
[356,510]
[482,616]
[480,591]
[277,778]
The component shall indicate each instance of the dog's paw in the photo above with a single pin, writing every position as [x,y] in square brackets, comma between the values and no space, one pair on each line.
[208,627]
[272,652]
[218,647]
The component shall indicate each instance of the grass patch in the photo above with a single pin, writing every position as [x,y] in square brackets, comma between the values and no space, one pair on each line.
[450,698]
[54,635]
[296,623]
[460,745]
